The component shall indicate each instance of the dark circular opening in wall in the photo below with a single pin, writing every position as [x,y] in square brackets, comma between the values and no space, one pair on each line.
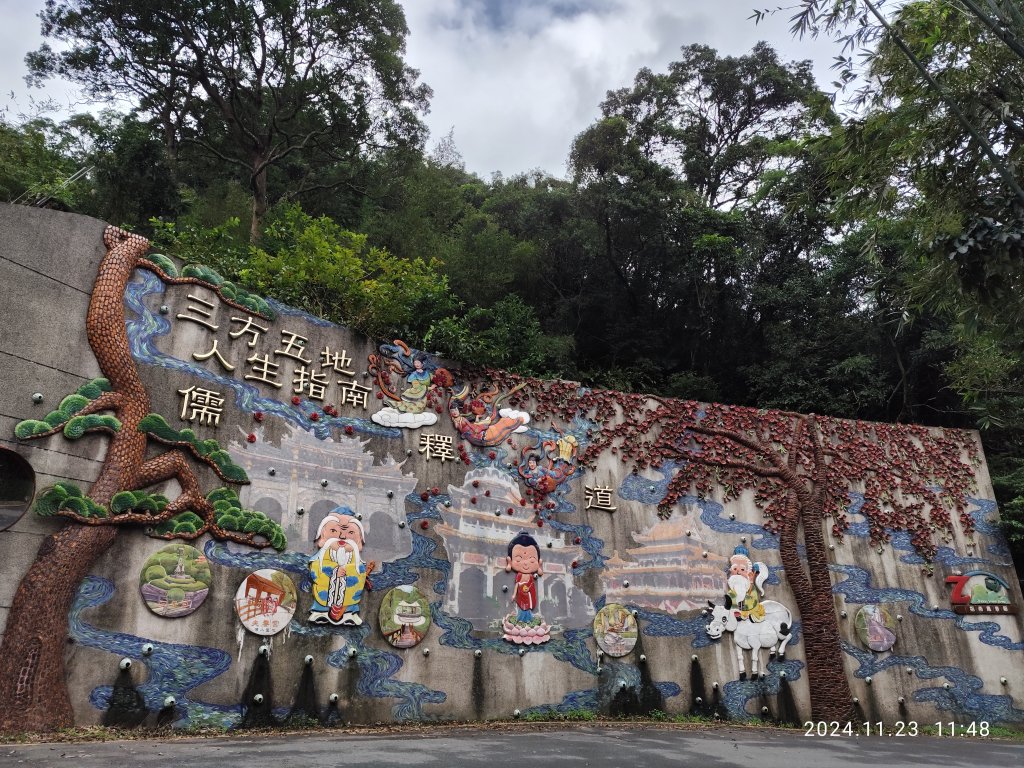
[17,487]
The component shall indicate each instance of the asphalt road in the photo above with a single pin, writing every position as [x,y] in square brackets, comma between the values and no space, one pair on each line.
[649,747]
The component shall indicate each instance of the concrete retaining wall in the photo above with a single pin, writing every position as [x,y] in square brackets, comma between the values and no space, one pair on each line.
[943,666]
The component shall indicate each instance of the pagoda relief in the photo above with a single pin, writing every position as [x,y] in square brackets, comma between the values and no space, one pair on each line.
[670,570]
[476,531]
[287,483]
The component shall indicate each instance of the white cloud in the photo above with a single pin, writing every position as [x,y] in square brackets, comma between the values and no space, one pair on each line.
[518,79]
[518,83]
[392,417]
[512,413]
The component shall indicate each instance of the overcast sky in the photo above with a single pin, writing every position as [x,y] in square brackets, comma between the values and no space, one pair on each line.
[516,79]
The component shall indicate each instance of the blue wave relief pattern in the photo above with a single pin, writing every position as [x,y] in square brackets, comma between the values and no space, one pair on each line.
[178,669]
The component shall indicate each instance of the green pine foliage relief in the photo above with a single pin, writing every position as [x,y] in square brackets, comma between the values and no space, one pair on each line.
[156,425]
[137,501]
[231,516]
[165,263]
[79,425]
[74,427]
[186,524]
[229,290]
[67,496]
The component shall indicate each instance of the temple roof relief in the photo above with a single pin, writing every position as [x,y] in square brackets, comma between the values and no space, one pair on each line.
[301,463]
[679,528]
[669,571]
[485,526]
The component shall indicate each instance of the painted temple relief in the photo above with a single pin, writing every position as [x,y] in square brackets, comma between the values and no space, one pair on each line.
[411,385]
[175,580]
[980,592]
[286,486]
[404,616]
[484,514]
[265,601]
[337,572]
[755,624]
[480,420]
[876,627]
[667,571]
[615,630]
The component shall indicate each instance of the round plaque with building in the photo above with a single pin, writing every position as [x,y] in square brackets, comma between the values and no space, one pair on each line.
[175,580]
[404,616]
[265,601]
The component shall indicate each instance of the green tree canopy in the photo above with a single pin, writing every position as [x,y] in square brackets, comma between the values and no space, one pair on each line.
[301,87]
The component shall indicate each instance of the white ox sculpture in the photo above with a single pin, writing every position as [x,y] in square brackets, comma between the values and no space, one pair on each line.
[750,635]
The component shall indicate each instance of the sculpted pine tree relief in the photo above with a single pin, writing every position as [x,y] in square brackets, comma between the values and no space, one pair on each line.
[33,688]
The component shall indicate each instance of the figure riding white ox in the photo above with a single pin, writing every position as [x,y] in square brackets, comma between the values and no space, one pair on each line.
[752,636]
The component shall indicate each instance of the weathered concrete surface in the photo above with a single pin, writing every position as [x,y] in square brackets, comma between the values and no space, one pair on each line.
[47,264]
[612,746]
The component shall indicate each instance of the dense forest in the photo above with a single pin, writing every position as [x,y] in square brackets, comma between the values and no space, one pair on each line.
[729,231]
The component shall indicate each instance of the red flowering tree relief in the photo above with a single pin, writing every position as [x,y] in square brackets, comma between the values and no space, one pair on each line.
[801,470]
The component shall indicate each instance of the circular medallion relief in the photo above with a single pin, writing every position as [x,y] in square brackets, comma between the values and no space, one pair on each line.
[615,629]
[175,580]
[404,616]
[265,601]
[876,627]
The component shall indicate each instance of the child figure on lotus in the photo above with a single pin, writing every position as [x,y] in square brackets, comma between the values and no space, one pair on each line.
[524,558]
[337,571]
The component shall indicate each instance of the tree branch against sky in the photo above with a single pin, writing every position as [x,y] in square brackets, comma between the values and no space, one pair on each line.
[258,85]
[863,29]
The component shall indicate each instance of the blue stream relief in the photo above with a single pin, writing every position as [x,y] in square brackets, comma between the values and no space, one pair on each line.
[173,669]
[647,491]
[962,697]
[376,669]
[737,694]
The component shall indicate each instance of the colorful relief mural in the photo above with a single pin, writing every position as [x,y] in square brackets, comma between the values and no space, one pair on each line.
[265,601]
[175,580]
[302,476]
[745,584]
[548,463]
[512,572]
[671,570]
[337,572]
[404,616]
[876,627]
[771,631]
[411,385]
[479,519]
[524,625]
[479,420]
[615,630]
